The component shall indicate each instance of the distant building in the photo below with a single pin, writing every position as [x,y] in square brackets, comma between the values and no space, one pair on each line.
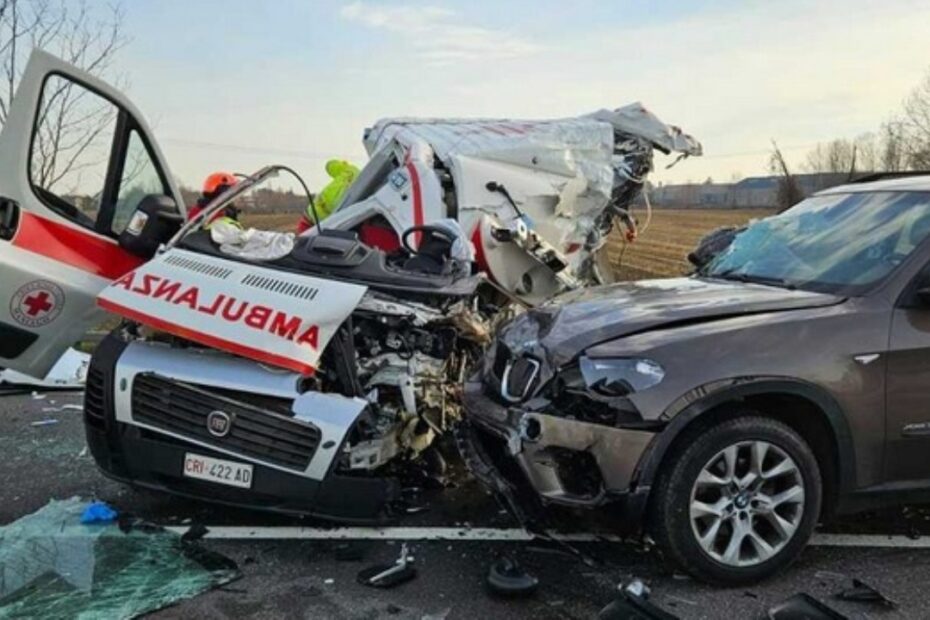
[749,193]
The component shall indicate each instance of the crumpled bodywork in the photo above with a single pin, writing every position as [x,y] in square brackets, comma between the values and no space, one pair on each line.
[536,196]
[562,328]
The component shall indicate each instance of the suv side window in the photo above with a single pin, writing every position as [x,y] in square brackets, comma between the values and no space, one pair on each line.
[71,146]
[140,177]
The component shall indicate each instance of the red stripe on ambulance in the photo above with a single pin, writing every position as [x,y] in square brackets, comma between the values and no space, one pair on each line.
[417,201]
[72,246]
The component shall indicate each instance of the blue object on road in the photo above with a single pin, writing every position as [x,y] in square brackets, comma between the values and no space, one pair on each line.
[98,512]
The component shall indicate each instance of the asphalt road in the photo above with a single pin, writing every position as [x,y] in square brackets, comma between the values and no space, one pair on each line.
[308,579]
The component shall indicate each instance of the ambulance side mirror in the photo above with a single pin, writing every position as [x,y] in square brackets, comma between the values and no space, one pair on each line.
[153,223]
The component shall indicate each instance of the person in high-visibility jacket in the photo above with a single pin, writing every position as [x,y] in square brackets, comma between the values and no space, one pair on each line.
[213,186]
[343,174]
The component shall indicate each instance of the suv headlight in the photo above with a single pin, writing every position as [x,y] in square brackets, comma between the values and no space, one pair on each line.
[620,376]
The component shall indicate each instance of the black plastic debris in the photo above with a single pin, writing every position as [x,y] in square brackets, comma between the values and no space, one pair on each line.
[194,532]
[506,578]
[633,604]
[803,606]
[389,575]
[861,592]
[712,245]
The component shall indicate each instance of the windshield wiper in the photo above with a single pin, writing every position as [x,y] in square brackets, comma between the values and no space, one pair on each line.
[731,274]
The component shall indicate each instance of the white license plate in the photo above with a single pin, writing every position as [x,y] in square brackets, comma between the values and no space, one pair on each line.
[217,470]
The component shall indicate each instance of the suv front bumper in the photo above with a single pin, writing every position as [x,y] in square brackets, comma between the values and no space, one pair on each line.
[518,453]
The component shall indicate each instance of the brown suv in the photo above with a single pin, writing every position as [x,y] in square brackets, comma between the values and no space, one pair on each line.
[727,412]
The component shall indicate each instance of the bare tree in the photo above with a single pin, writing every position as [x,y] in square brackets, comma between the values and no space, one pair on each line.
[71,119]
[892,152]
[915,123]
[833,156]
[788,192]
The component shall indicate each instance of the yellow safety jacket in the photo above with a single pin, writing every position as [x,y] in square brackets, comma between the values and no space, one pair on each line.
[343,174]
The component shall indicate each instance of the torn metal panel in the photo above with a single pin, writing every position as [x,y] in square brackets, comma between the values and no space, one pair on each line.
[53,567]
[68,373]
[564,180]
[636,120]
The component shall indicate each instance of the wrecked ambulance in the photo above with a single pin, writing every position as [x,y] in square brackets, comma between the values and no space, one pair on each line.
[300,382]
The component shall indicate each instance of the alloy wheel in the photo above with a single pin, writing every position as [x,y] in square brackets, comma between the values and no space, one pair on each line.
[747,503]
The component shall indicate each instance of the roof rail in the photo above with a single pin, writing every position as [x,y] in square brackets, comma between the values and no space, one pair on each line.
[881,176]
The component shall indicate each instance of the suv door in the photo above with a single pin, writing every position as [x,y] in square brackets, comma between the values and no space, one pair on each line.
[76,158]
[908,388]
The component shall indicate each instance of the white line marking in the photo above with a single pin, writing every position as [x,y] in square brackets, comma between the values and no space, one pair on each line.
[385,533]
[870,540]
[487,534]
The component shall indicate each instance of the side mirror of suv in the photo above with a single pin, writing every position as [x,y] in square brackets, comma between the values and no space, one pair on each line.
[923,295]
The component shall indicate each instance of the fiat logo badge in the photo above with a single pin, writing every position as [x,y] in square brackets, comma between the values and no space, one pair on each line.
[219,423]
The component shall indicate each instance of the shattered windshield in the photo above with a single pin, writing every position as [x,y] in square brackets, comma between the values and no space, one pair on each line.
[835,243]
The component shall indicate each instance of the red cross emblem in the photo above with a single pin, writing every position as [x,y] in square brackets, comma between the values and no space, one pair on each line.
[37,303]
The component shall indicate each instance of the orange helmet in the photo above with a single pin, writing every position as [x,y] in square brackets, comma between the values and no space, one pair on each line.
[217,182]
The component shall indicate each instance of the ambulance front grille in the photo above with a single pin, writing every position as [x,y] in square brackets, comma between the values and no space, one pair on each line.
[94,411]
[182,409]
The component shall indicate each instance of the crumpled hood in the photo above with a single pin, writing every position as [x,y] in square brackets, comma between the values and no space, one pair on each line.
[563,327]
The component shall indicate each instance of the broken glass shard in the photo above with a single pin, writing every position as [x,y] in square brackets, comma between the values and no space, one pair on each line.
[51,566]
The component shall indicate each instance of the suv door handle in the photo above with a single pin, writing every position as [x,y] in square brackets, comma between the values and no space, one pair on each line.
[9,217]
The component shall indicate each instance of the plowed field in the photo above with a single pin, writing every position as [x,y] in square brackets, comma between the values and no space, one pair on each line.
[660,251]
[663,249]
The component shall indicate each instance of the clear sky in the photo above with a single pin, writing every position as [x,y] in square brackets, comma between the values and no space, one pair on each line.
[238,84]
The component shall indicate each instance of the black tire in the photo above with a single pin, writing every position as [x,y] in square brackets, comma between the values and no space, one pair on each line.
[669,515]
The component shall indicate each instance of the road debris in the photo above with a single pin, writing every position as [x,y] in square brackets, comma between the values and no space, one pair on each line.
[46,422]
[506,578]
[862,592]
[98,512]
[194,533]
[633,602]
[803,606]
[62,408]
[68,373]
[390,575]
[53,567]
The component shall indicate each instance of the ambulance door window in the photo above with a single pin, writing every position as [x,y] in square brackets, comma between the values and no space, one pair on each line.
[140,177]
[72,142]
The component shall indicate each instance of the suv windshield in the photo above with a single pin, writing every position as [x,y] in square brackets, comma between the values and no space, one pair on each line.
[834,243]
